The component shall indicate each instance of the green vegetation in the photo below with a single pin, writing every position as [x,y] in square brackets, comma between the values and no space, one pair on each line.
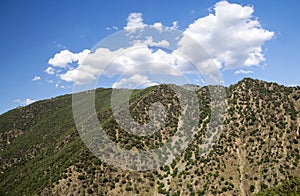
[42,153]
[290,187]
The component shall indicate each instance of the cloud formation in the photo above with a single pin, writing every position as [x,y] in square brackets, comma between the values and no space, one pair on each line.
[230,34]
[65,57]
[135,22]
[129,61]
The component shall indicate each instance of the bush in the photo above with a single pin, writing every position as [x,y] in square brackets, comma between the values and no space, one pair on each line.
[90,191]
[80,177]
[128,188]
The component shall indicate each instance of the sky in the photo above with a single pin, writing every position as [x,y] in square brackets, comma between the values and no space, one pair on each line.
[45,44]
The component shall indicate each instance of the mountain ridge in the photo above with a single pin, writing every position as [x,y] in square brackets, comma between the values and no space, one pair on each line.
[41,151]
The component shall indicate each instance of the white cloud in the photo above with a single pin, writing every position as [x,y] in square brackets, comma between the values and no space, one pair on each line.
[129,60]
[231,35]
[134,82]
[158,26]
[78,76]
[50,70]
[62,59]
[134,22]
[242,71]
[24,102]
[36,78]
[149,41]
[65,57]
[174,26]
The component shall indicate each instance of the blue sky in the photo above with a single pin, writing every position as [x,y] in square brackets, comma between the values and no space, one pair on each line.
[34,31]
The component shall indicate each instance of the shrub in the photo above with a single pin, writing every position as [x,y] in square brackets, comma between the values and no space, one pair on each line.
[128,188]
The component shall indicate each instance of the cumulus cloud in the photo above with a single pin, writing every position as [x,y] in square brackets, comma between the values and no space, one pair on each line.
[94,64]
[65,57]
[231,35]
[135,22]
[36,78]
[242,71]
[24,102]
[78,76]
[133,60]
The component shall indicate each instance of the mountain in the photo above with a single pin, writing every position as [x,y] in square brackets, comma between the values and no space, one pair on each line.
[257,151]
